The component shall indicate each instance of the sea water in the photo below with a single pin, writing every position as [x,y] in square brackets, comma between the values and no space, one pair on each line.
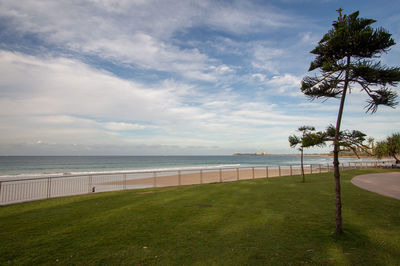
[37,166]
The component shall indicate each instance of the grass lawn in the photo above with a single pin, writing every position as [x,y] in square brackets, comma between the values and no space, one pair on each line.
[277,221]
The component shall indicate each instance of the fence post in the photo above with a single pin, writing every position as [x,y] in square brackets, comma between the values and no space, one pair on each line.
[319,168]
[252,169]
[220,175]
[124,181]
[154,179]
[279,169]
[266,171]
[48,187]
[291,170]
[0,191]
[310,168]
[237,173]
[328,167]
[179,178]
[90,184]
[201,176]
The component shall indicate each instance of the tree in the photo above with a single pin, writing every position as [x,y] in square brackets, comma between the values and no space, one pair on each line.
[371,143]
[302,142]
[350,140]
[346,56]
[389,147]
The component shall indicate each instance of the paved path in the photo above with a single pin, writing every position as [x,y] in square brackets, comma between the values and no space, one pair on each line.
[387,184]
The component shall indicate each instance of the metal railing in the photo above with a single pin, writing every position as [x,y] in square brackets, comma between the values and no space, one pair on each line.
[21,190]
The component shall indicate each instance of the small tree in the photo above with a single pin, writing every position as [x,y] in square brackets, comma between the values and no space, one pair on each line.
[345,56]
[352,140]
[302,143]
[389,147]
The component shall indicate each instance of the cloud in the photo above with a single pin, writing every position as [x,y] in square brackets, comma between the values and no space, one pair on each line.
[156,74]
[243,17]
[309,38]
[61,100]
[266,57]
[139,33]
[285,84]
[64,86]
[259,77]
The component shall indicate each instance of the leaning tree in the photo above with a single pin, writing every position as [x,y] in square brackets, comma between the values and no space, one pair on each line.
[347,56]
[302,142]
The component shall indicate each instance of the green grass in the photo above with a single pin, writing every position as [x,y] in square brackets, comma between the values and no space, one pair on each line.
[279,221]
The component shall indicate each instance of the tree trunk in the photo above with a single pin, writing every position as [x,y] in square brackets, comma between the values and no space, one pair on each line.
[336,171]
[338,201]
[302,166]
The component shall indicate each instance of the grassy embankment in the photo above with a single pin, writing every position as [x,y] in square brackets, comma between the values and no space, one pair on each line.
[263,221]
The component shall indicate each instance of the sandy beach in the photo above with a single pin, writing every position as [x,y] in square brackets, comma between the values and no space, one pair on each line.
[31,189]
[212,176]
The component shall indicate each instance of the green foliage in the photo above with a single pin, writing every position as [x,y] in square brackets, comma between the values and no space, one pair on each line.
[294,141]
[304,141]
[345,56]
[381,149]
[389,147]
[348,139]
[351,139]
[305,129]
[301,141]
[313,139]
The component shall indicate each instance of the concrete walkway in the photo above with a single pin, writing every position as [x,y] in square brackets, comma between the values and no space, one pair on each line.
[387,184]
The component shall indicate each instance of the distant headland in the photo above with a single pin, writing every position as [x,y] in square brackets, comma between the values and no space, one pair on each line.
[283,154]
[251,154]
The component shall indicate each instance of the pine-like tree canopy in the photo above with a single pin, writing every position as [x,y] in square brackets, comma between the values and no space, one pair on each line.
[346,55]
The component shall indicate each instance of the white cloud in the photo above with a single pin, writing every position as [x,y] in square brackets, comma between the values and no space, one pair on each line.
[285,84]
[140,33]
[309,38]
[193,75]
[64,86]
[259,77]
[266,57]
[59,100]
[121,126]
[244,17]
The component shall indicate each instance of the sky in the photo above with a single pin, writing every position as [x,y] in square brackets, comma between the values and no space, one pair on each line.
[162,77]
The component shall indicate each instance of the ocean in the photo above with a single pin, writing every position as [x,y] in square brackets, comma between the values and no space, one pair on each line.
[38,166]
